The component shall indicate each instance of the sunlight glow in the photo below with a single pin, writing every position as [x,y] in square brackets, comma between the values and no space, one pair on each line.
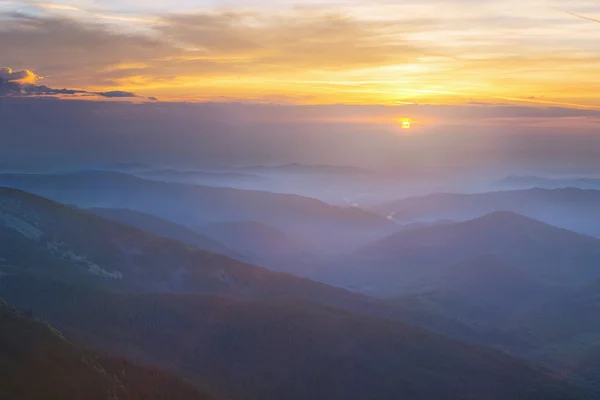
[508,55]
[405,123]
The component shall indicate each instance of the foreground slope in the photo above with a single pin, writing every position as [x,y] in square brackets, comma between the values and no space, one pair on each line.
[285,349]
[36,362]
[563,332]
[485,291]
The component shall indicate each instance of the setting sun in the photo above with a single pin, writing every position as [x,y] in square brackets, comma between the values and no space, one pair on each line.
[405,123]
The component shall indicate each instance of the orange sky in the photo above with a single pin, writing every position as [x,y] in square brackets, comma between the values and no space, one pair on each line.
[353,52]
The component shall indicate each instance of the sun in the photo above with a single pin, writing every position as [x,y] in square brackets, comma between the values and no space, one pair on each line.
[405,123]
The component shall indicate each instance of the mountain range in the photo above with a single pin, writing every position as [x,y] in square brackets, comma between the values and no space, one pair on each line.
[322,226]
[236,330]
[571,208]
[209,178]
[295,168]
[250,349]
[529,181]
[404,262]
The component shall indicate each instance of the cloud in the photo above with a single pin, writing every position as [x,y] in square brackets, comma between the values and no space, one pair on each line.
[22,84]
[298,39]
[24,76]
[220,44]
[597,20]
[404,52]
[71,52]
[116,94]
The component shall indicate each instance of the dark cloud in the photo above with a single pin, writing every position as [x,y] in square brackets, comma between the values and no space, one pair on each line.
[8,74]
[43,90]
[22,83]
[116,94]
[8,88]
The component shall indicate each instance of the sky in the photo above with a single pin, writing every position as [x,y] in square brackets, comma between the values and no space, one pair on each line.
[534,52]
[505,84]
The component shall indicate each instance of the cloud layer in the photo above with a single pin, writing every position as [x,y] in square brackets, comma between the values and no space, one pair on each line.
[365,52]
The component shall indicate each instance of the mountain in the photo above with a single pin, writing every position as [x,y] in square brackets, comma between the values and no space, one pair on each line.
[529,181]
[309,219]
[202,177]
[253,237]
[570,208]
[562,332]
[237,330]
[48,240]
[264,245]
[296,168]
[52,239]
[251,242]
[484,292]
[556,328]
[162,227]
[286,349]
[36,362]
[415,225]
[401,262]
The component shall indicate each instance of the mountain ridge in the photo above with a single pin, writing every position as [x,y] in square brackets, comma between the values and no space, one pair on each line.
[393,265]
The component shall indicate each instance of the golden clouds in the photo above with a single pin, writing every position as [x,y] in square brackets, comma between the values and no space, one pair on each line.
[22,77]
[312,55]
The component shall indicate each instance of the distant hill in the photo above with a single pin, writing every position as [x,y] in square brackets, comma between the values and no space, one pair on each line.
[416,225]
[295,168]
[530,181]
[202,177]
[570,208]
[400,262]
[253,237]
[264,245]
[162,227]
[37,363]
[286,349]
[309,219]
